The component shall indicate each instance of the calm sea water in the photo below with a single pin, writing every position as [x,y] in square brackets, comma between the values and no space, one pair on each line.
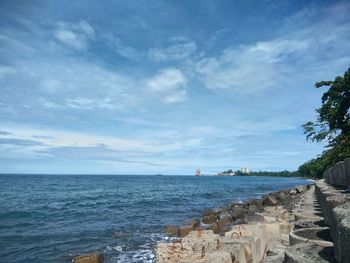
[50,218]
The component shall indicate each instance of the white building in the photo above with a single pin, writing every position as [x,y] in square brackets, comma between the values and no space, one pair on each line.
[244,170]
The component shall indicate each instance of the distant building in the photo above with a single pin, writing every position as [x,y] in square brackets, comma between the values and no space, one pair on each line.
[244,170]
[227,173]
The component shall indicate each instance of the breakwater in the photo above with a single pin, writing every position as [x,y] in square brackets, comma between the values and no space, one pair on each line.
[302,225]
[240,232]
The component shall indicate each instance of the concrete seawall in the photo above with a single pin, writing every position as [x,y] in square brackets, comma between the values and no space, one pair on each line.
[262,238]
[334,198]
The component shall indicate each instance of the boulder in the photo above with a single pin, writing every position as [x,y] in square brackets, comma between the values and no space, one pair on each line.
[215,228]
[172,230]
[225,219]
[347,172]
[195,223]
[224,210]
[209,219]
[300,188]
[280,196]
[269,201]
[184,230]
[252,209]
[293,192]
[258,203]
[90,258]
[239,213]
[211,211]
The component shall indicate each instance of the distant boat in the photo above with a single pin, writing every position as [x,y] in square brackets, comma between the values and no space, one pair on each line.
[198,172]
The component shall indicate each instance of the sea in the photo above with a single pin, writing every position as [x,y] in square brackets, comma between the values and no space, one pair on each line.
[51,218]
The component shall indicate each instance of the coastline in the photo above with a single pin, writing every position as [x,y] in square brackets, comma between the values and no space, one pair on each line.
[210,238]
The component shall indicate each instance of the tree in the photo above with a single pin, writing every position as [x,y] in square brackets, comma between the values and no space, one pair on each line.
[333,116]
[332,125]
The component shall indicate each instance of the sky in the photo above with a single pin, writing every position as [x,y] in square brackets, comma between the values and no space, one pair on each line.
[148,87]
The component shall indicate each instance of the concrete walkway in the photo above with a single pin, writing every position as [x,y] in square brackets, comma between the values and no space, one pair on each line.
[306,209]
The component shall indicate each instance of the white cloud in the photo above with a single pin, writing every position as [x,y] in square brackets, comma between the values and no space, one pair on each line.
[58,138]
[120,47]
[169,84]
[176,97]
[5,70]
[179,50]
[251,68]
[94,103]
[76,84]
[52,85]
[75,35]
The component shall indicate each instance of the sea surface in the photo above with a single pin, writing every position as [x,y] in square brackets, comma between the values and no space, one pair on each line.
[50,218]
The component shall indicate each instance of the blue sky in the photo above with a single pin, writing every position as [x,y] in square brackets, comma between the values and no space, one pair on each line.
[144,87]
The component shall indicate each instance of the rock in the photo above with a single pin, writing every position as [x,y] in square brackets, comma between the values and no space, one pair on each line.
[258,203]
[211,211]
[300,188]
[90,258]
[209,219]
[184,230]
[251,218]
[270,201]
[172,230]
[292,192]
[280,196]
[224,210]
[195,223]
[347,172]
[241,221]
[252,209]
[225,219]
[215,228]
[239,213]
[285,191]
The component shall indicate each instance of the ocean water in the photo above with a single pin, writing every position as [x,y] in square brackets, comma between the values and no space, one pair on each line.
[50,218]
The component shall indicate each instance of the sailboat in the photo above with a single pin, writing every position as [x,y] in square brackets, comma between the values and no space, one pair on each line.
[198,172]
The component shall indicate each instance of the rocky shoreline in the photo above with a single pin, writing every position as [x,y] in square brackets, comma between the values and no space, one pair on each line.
[271,212]
[305,224]
[241,232]
[222,219]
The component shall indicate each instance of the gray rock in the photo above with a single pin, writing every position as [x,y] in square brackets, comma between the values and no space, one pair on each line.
[211,211]
[172,230]
[293,192]
[239,213]
[215,228]
[89,258]
[225,219]
[269,201]
[195,223]
[209,219]
[184,230]
[300,189]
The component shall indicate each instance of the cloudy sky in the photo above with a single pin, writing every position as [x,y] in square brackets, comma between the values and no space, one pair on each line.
[144,87]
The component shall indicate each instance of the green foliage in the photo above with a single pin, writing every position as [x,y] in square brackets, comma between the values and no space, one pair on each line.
[332,125]
[284,173]
[333,116]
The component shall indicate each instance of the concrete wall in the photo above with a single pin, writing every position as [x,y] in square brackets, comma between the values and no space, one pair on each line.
[339,174]
[335,205]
